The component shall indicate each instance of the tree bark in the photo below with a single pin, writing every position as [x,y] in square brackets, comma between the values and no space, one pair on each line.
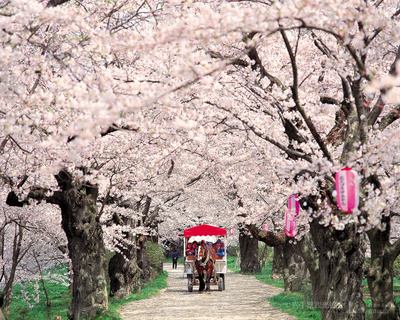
[17,244]
[248,253]
[341,259]
[335,265]
[124,273]
[287,260]
[81,225]
[143,260]
[263,256]
[80,222]
[294,268]
[310,255]
[123,268]
[278,263]
[46,293]
[380,274]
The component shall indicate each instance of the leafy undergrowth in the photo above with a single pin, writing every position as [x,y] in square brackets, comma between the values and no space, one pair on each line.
[293,303]
[60,298]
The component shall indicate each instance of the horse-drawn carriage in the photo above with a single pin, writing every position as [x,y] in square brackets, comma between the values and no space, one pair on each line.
[205,256]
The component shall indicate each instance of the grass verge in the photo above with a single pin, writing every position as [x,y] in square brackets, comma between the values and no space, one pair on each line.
[150,289]
[26,305]
[232,264]
[293,303]
[265,276]
[60,298]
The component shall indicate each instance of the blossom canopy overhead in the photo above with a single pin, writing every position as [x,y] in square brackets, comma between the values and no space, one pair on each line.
[204,230]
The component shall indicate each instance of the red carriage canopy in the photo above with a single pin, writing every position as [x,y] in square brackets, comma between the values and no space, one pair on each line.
[204,230]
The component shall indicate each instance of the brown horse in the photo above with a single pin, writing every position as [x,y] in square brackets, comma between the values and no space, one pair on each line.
[205,266]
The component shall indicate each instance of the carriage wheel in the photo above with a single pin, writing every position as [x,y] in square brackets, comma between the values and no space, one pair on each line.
[190,283]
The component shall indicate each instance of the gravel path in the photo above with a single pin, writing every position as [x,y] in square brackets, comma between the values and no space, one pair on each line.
[245,298]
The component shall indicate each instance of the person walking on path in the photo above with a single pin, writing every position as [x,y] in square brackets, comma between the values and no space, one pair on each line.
[175,256]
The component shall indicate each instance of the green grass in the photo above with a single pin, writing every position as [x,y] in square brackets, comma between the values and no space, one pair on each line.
[291,303]
[232,264]
[60,298]
[396,286]
[265,276]
[294,304]
[150,289]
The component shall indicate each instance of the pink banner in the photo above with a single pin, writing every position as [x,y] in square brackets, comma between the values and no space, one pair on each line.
[347,193]
[294,205]
[290,224]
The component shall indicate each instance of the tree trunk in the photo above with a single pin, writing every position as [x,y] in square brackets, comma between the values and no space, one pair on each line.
[81,224]
[17,244]
[278,263]
[294,269]
[143,260]
[123,268]
[310,255]
[124,273]
[248,253]
[264,256]
[380,275]
[43,283]
[341,258]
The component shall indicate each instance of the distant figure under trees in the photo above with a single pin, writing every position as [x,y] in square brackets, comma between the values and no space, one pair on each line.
[175,256]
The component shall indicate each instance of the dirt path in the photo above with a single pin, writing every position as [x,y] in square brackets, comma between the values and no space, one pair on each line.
[244,299]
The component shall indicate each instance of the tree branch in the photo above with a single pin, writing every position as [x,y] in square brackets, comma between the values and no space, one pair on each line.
[379,105]
[329,100]
[269,238]
[252,53]
[391,117]
[296,98]
[55,3]
[395,249]
[293,154]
